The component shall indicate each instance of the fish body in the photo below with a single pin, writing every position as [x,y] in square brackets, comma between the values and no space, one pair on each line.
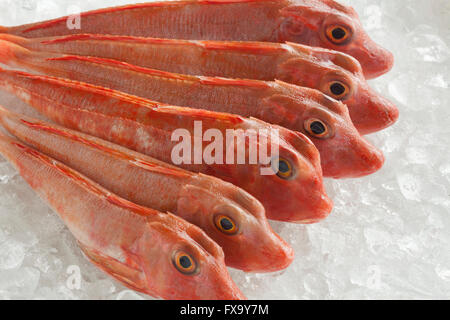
[344,153]
[161,131]
[316,68]
[318,23]
[144,249]
[250,245]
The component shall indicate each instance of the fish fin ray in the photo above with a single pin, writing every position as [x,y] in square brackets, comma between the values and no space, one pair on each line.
[129,275]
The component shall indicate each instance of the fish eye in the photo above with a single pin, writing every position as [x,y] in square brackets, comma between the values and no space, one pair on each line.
[225,224]
[338,34]
[284,169]
[317,128]
[184,263]
[338,89]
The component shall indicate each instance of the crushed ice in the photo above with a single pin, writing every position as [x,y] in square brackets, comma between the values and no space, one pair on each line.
[388,236]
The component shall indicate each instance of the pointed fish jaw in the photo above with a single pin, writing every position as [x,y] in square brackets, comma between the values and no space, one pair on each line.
[335,149]
[253,243]
[375,59]
[375,112]
[345,152]
[268,252]
[277,255]
[158,250]
[369,111]
[356,158]
[302,197]
[309,24]
[305,207]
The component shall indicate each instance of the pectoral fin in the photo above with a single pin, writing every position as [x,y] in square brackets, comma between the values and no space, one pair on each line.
[130,276]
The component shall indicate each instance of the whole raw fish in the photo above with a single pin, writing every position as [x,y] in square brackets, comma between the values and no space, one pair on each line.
[295,193]
[229,215]
[318,23]
[344,153]
[149,251]
[334,73]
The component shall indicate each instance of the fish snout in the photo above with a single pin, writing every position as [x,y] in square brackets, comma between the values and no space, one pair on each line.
[353,157]
[322,207]
[316,205]
[377,113]
[382,63]
[370,159]
[392,113]
[274,254]
[375,60]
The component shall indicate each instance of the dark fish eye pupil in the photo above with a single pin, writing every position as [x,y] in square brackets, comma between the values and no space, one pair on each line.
[317,127]
[185,262]
[283,167]
[338,33]
[226,224]
[337,89]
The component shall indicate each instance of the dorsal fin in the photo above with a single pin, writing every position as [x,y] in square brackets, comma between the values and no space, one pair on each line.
[219,81]
[107,37]
[243,46]
[234,119]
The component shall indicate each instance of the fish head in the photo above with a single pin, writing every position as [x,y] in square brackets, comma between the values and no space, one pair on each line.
[180,262]
[340,76]
[328,24]
[237,222]
[326,121]
[288,177]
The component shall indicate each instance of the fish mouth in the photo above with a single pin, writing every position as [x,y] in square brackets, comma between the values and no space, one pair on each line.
[353,157]
[370,160]
[322,209]
[372,163]
[275,255]
[315,211]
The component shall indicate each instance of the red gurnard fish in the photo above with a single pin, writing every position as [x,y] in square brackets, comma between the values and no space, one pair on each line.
[229,215]
[336,74]
[344,153]
[295,193]
[318,23]
[149,251]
